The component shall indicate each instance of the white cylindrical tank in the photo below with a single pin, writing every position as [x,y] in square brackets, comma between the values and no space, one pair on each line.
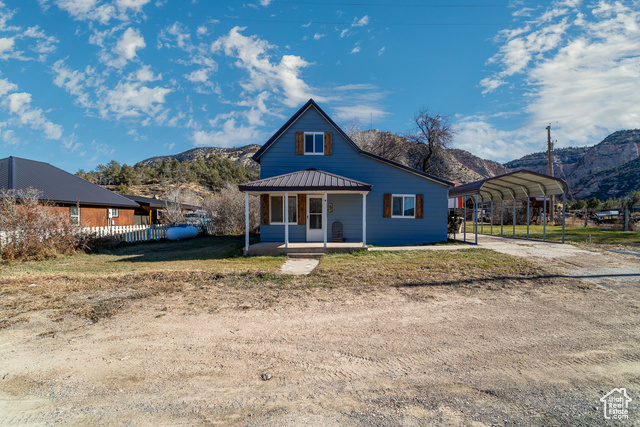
[182,232]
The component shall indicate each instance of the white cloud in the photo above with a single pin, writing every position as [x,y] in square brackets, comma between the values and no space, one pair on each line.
[130,42]
[6,86]
[252,54]
[131,4]
[144,74]
[131,99]
[355,49]
[6,45]
[361,112]
[318,36]
[88,10]
[580,71]
[356,23]
[382,50]
[198,76]
[19,104]
[265,2]
[229,135]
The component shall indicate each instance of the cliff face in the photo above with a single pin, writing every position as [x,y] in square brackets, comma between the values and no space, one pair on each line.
[615,150]
[564,161]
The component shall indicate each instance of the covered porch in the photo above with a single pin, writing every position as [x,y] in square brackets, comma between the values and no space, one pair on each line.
[308,211]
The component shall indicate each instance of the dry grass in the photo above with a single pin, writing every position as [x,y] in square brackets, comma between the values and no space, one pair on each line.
[211,274]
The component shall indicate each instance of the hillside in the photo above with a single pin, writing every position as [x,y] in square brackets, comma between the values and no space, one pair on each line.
[564,161]
[238,155]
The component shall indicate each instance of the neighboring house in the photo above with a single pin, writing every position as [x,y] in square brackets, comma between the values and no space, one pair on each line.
[313,171]
[151,209]
[87,203]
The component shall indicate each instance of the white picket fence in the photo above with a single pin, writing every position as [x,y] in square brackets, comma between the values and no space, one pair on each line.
[130,233]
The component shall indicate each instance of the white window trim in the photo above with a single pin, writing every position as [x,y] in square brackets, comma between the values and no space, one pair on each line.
[76,216]
[111,213]
[291,196]
[403,196]
[307,153]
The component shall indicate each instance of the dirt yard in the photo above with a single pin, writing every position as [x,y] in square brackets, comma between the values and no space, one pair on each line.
[534,348]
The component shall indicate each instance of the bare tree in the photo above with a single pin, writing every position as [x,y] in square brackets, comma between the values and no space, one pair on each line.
[431,131]
[226,210]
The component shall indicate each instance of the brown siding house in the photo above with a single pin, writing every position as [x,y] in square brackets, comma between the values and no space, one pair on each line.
[99,207]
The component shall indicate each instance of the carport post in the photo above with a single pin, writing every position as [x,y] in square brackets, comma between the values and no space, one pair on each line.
[482,220]
[501,217]
[544,223]
[464,202]
[246,221]
[475,218]
[528,216]
[514,217]
[564,202]
[492,216]
[286,220]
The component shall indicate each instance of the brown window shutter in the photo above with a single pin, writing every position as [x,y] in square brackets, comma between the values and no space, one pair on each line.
[265,209]
[386,210]
[299,142]
[328,143]
[419,206]
[302,209]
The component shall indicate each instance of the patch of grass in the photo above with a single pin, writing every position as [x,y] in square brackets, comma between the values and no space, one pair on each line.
[209,274]
[599,236]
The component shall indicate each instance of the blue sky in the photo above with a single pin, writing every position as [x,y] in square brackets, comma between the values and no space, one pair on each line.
[86,81]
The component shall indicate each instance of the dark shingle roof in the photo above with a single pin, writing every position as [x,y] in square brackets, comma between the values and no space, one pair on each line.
[311,103]
[306,180]
[55,184]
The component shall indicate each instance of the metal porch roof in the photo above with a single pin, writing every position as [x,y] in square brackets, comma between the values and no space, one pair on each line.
[306,180]
[513,185]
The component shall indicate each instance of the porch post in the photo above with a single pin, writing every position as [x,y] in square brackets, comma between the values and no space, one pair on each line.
[364,220]
[324,220]
[246,222]
[286,220]
[482,220]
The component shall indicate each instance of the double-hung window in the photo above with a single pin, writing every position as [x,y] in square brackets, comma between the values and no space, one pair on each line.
[277,209]
[403,206]
[314,143]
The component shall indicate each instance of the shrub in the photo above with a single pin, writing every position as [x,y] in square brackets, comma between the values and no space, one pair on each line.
[32,229]
[226,210]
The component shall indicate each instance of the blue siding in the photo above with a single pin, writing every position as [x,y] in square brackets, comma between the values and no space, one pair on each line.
[281,158]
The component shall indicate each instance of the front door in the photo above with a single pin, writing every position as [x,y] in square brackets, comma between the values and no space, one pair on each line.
[314,219]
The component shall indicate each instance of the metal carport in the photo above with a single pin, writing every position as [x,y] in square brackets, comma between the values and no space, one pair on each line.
[522,184]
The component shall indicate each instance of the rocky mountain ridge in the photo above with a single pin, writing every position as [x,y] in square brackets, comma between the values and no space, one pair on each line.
[608,169]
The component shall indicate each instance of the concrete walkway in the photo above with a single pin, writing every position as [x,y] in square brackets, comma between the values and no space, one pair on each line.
[505,245]
[299,266]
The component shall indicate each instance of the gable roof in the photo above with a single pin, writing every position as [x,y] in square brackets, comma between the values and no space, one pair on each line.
[311,103]
[306,180]
[55,184]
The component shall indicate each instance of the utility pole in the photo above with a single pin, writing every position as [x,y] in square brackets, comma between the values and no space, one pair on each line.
[550,170]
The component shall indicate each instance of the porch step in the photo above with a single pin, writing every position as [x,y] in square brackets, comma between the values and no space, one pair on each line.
[305,255]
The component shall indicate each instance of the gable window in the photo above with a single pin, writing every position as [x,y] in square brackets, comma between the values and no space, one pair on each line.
[277,209]
[314,143]
[403,206]
[74,215]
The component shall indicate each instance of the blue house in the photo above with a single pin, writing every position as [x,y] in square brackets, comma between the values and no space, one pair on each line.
[317,185]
